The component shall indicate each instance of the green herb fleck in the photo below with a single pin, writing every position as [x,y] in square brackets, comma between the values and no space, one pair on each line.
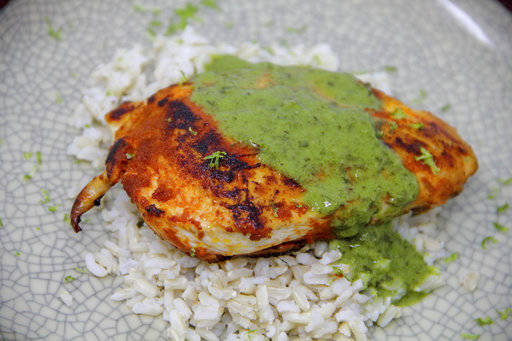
[274,208]
[67,219]
[398,114]
[504,314]
[27,177]
[38,228]
[46,197]
[297,204]
[129,156]
[193,252]
[484,321]
[53,208]
[1,224]
[488,240]
[184,15]
[421,97]
[143,9]
[506,181]
[58,99]
[211,4]
[215,158]
[27,155]
[393,127]
[390,68]
[152,33]
[494,193]
[452,257]
[298,30]
[17,253]
[192,131]
[469,336]
[169,120]
[55,34]
[38,158]
[446,107]
[229,25]
[184,77]
[502,208]
[428,160]
[155,23]
[68,279]
[84,271]
[500,227]
[417,126]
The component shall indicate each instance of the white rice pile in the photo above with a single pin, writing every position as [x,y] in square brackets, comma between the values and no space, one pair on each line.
[287,297]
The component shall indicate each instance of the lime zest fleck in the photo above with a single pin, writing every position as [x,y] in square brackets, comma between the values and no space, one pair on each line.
[39,159]
[500,227]
[55,34]
[428,160]
[27,177]
[69,279]
[17,253]
[502,208]
[417,126]
[129,156]
[1,224]
[446,107]
[469,336]
[38,228]
[155,23]
[398,114]
[484,321]
[58,99]
[53,208]
[27,155]
[215,158]
[452,257]
[488,240]
[67,219]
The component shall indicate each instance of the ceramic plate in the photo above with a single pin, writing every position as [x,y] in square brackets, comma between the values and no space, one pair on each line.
[446,52]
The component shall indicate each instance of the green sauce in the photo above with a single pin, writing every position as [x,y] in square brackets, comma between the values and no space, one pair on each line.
[313,126]
[386,262]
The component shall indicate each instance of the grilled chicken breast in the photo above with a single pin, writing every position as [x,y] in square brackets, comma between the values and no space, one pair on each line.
[243,206]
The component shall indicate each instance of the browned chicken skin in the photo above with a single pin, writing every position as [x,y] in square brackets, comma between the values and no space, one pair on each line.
[245,207]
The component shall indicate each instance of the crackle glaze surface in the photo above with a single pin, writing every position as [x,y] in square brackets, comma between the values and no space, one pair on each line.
[458,52]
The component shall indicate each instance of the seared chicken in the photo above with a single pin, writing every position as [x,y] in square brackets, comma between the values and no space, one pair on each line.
[243,207]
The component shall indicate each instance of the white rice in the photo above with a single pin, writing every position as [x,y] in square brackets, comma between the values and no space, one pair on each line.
[279,298]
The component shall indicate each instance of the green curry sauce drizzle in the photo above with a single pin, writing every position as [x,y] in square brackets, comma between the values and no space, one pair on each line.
[312,126]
